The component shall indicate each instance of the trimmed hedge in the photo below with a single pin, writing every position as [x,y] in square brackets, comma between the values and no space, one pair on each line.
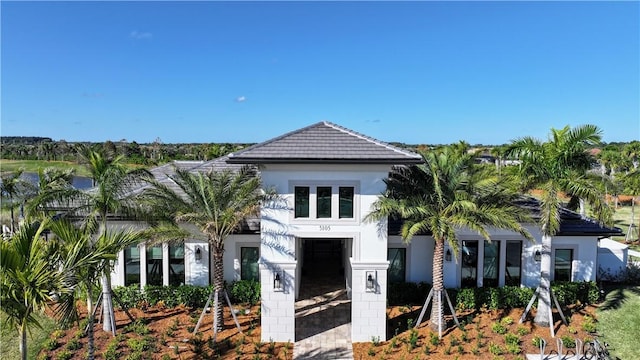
[243,291]
[493,298]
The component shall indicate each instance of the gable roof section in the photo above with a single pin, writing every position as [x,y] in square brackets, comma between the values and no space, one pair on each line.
[324,142]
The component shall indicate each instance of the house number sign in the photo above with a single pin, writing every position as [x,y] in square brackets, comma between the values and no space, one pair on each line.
[325,227]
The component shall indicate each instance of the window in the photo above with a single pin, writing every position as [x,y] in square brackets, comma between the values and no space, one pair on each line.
[323,202]
[397,265]
[513,263]
[301,202]
[154,265]
[469,276]
[249,263]
[563,265]
[131,265]
[491,263]
[345,202]
[176,264]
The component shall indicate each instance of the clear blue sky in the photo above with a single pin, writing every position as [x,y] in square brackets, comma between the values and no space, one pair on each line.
[413,72]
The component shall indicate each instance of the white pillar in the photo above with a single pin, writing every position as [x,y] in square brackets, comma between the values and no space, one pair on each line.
[278,305]
[368,304]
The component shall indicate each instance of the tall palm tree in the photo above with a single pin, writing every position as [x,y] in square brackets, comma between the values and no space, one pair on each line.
[75,248]
[27,282]
[13,189]
[111,195]
[215,202]
[558,167]
[445,194]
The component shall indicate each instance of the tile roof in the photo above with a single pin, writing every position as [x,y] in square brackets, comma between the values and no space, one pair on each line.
[324,142]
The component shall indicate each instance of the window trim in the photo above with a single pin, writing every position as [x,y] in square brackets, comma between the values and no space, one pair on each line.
[245,246]
[335,201]
[574,256]
[237,261]
[406,261]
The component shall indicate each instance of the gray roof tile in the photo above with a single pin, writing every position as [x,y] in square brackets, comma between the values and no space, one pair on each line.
[324,142]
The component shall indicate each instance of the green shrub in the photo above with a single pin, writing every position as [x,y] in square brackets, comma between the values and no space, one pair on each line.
[245,292]
[512,339]
[64,355]
[74,344]
[537,341]
[522,331]
[495,349]
[498,328]
[51,344]
[568,342]
[589,324]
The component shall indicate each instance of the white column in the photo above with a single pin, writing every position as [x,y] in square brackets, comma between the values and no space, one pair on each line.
[165,264]
[368,305]
[278,305]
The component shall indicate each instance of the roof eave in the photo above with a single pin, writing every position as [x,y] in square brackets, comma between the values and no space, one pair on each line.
[248,160]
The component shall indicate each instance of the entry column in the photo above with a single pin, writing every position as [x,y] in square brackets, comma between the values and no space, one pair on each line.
[368,300]
[277,284]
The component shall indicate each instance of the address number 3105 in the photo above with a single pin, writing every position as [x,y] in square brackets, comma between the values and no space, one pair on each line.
[325,227]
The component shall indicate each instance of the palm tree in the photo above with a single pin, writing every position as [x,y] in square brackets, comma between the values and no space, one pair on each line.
[215,202]
[558,167]
[111,195]
[13,189]
[27,282]
[75,248]
[442,195]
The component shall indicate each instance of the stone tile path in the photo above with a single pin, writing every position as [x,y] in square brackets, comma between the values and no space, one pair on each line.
[323,313]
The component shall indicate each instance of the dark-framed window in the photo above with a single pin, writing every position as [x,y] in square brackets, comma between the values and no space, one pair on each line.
[469,266]
[154,265]
[176,264]
[491,264]
[301,201]
[513,269]
[323,202]
[397,265]
[345,202]
[249,257]
[132,265]
[563,265]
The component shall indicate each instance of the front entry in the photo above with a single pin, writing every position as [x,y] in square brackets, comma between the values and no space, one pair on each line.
[323,306]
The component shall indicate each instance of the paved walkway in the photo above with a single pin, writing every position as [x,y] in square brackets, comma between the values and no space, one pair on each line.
[323,313]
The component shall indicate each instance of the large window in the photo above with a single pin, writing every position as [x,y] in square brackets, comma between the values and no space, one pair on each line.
[176,264]
[469,264]
[513,263]
[131,265]
[563,265]
[302,202]
[397,265]
[154,265]
[491,263]
[346,202]
[249,257]
[323,202]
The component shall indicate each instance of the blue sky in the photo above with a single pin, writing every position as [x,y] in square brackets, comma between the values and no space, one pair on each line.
[413,72]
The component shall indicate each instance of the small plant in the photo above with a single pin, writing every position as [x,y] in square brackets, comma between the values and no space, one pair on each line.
[165,357]
[537,341]
[495,349]
[413,339]
[51,344]
[138,327]
[475,350]
[257,346]
[394,342]
[64,355]
[371,352]
[512,339]
[197,344]
[572,330]
[272,347]
[589,324]
[74,344]
[480,335]
[514,349]
[447,350]
[427,349]
[568,342]
[375,340]
[58,334]
[434,339]
[498,328]
[176,349]
[454,341]
[464,337]
[79,334]
[522,331]
[460,349]
[506,321]
[138,345]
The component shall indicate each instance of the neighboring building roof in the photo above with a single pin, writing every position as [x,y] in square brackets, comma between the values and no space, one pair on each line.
[324,142]
[571,223]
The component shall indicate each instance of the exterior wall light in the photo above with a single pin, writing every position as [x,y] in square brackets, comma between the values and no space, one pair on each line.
[277,282]
[447,255]
[198,253]
[371,281]
[537,256]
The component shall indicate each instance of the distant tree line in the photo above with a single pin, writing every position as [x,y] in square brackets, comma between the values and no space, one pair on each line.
[42,148]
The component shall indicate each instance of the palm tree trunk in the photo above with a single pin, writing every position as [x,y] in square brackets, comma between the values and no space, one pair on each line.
[544,296]
[437,314]
[90,337]
[108,322]
[22,333]
[218,284]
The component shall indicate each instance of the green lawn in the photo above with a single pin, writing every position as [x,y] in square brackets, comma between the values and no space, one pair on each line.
[35,165]
[619,321]
[622,219]
[9,339]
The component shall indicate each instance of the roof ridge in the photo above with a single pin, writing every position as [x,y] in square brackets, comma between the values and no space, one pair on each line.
[233,154]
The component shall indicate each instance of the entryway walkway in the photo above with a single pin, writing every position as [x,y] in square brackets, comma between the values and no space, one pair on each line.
[323,313]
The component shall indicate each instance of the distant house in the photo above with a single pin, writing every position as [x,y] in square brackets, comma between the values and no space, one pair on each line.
[329,177]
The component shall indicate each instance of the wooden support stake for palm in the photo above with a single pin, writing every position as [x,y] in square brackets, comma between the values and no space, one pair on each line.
[439,298]
[214,294]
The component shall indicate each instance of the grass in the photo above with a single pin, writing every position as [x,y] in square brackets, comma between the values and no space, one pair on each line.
[618,319]
[35,165]
[9,340]
[622,219]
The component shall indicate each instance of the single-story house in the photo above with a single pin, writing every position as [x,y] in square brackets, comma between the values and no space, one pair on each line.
[329,177]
